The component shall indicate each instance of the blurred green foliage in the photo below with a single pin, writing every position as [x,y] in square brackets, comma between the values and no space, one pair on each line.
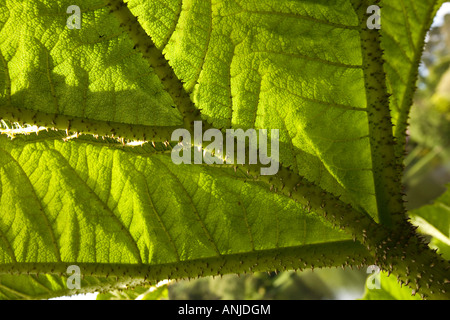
[427,165]
[305,285]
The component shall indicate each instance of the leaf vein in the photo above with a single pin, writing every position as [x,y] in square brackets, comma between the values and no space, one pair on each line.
[41,208]
[105,206]
[199,219]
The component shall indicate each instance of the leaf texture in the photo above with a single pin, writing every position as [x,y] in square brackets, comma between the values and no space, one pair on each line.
[296,66]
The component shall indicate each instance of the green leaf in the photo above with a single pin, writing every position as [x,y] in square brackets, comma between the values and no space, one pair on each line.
[257,57]
[158,292]
[45,286]
[390,290]
[299,66]
[434,220]
[404,30]
[183,215]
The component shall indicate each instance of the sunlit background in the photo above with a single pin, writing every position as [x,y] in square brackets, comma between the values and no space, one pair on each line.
[427,171]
